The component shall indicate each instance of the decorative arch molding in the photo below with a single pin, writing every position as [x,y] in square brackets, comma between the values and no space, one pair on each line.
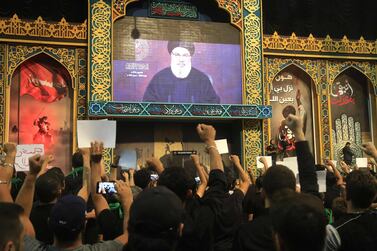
[245,14]
[335,68]
[19,54]
[74,60]
[275,65]
[233,7]
[316,69]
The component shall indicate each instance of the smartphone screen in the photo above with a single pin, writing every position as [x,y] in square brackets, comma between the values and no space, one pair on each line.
[106,187]
[154,176]
[197,180]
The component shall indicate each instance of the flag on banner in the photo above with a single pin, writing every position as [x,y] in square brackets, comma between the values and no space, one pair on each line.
[42,83]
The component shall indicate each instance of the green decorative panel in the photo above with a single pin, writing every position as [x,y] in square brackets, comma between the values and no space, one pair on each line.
[82,84]
[206,111]
[100,16]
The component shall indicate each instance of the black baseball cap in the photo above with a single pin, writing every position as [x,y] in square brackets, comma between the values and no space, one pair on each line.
[156,212]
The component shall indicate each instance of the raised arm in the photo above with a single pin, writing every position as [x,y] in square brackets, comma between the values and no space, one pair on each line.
[126,199]
[370,149]
[96,152]
[207,134]
[48,160]
[306,165]
[202,176]
[114,168]
[26,195]
[245,180]
[156,164]
[251,175]
[339,177]
[6,172]
[265,165]
[345,167]
[85,189]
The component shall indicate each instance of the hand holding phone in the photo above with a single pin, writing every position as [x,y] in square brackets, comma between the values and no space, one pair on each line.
[106,187]
[154,177]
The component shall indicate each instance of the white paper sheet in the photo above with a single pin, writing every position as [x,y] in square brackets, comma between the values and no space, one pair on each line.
[128,159]
[291,163]
[96,130]
[362,162]
[321,179]
[24,152]
[222,146]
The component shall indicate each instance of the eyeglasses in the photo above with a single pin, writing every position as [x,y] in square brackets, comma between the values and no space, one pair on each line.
[186,55]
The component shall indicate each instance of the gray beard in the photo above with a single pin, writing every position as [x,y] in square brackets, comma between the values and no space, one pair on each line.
[181,72]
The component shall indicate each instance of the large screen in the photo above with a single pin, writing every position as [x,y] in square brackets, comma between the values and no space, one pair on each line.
[176,61]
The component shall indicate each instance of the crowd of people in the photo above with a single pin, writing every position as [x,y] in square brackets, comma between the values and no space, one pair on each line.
[230,208]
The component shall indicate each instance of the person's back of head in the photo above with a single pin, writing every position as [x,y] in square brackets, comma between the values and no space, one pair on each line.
[278,178]
[339,208]
[361,189]
[58,173]
[47,187]
[11,229]
[177,180]
[77,160]
[155,218]
[67,219]
[299,222]
[142,178]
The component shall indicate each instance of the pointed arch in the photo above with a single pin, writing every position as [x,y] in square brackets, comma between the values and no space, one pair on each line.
[37,54]
[40,111]
[292,92]
[357,69]
[366,68]
[351,109]
[293,65]
[275,65]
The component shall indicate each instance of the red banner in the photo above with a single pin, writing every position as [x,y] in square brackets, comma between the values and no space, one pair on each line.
[42,83]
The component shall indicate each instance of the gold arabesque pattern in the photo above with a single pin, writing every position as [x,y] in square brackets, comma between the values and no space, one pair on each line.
[42,29]
[100,58]
[324,100]
[274,65]
[325,45]
[18,54]
[82,84]
[253,80]
[39,28]
[119,8]
[15,55]
[100,52]
[235,10]
[253,54]
[367,68]
[3,69]
[252,133]
[232,6]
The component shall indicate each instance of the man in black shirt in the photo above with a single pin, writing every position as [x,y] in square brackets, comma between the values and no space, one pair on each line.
[210,221]
[73,181]
[347,153]
[48,189]
[357,230]
[257,234]
[181,82]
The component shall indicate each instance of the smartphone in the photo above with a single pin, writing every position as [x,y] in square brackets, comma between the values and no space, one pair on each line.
[106,187]
[154,177]
[197,180]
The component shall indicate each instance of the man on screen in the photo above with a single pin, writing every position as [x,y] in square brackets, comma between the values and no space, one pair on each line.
[181,83]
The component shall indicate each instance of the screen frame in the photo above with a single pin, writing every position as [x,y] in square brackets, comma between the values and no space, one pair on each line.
[179,110]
